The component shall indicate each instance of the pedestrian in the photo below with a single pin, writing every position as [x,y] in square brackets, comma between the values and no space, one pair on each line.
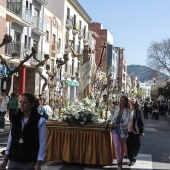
[120,120]
[135,131]
[42,109]
[12,106]
[27,138]
[154,109]
[48,109]
[4,99]
[145,110]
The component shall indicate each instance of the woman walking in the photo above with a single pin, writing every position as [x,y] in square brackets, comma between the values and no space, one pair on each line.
[120,120]
[135,131]
[27,138]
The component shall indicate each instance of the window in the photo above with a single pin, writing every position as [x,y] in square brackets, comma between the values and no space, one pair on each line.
[54,39]
[79,47]
[78,66]
[29,41]
[68,13]
[74,22]
[84,32]
[35,44]
[27,4]
[59,42]
[17,37]
[66,67]
[79,25]
[72,70]
[25,41]
[73,43]
[47,35]
[67,37]
[52,64]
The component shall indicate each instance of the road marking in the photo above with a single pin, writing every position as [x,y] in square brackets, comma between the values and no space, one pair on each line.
[3,148]
[144,162]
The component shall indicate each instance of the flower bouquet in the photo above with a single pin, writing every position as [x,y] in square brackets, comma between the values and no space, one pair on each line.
[81,112]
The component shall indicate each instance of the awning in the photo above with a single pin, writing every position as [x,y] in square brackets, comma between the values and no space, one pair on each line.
[73,83]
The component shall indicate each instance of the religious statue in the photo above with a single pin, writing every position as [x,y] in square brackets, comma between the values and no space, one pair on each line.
[87,70]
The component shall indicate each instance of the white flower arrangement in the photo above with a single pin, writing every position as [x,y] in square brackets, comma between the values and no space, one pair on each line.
[81,112]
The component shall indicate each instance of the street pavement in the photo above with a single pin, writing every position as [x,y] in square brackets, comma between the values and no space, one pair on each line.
[154,153]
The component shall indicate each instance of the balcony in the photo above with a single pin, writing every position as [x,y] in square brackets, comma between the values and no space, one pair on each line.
[43,2]
[67,44]
[39,56]
[85,37]
[80,35]
[55,48]
[15,52]
[75,31]
[17,13]
[69,23]
[39,26]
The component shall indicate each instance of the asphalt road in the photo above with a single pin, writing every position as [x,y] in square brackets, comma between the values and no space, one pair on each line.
[154,153]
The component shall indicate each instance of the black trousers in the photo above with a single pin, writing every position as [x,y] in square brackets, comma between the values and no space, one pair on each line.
[133,146]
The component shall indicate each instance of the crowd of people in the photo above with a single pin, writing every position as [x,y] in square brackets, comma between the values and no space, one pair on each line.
[154,109]
[28,115]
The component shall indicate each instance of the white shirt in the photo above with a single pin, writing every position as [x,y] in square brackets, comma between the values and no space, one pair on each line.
[3,105]
[42,139]
[130,125]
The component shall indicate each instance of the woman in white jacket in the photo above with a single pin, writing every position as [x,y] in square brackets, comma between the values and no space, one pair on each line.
[120,120]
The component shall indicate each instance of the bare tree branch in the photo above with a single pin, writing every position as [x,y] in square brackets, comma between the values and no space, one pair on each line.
[159,55]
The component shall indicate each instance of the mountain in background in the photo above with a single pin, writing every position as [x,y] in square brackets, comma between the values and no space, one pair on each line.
[143,72]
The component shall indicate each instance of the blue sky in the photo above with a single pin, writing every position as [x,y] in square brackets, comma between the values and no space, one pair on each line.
[134,24]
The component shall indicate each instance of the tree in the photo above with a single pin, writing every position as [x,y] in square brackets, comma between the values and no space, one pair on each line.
[159,55]
[154,93]
[140,93]
[7,78]
[17,69]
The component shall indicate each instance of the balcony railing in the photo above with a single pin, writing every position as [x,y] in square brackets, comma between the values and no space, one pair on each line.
[19,10]
[20,51]
[43,2]
[85,37]
[81,33]
[26,15]
[15,50]
[39,24]
[56,47]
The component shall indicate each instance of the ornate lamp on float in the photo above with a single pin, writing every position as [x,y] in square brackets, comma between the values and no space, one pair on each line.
[108,91]
[54,86]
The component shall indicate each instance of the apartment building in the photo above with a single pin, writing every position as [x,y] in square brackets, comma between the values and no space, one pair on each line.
[24,21]
[122,70]
[112,61]
[2,23]
[74,21]
[104,36]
